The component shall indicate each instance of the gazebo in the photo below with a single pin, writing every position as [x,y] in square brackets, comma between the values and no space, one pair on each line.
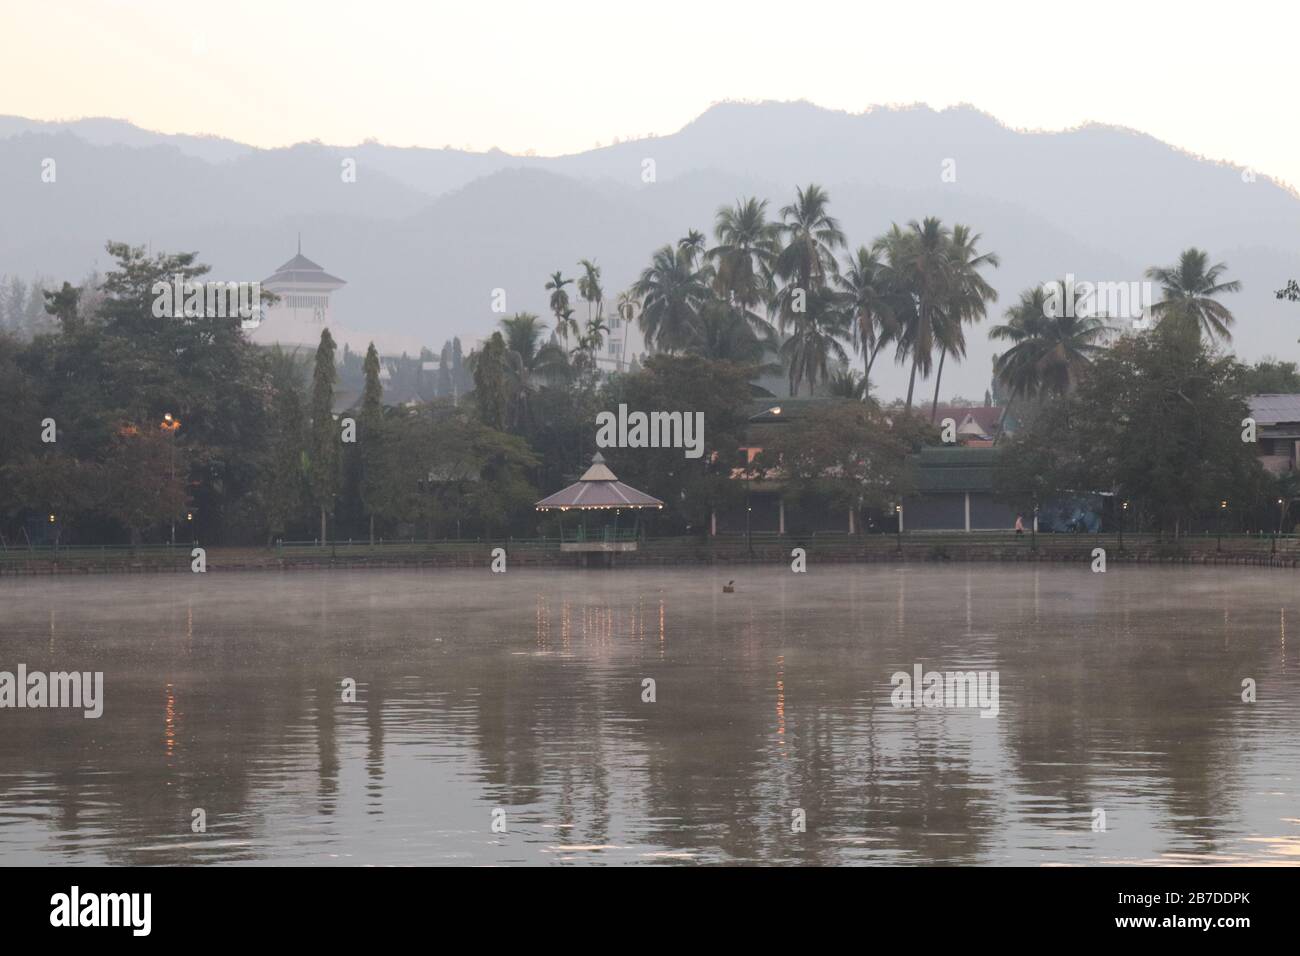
[600,490]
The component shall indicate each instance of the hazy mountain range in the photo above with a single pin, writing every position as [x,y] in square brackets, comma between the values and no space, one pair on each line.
[424,235]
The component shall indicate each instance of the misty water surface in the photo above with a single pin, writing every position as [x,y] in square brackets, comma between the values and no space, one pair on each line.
[523,692]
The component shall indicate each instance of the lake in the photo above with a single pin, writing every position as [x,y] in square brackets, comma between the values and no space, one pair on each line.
[506,718]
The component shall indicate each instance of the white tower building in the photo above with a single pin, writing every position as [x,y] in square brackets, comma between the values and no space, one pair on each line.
[304,293]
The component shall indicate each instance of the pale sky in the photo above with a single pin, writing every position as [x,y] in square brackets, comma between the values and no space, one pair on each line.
[558,77]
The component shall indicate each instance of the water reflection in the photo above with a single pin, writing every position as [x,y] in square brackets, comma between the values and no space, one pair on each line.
[524,692]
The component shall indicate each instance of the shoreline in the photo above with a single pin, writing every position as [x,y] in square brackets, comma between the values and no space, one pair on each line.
[870,549]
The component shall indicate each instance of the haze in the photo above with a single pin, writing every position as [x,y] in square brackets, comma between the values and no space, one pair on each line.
[1212,79]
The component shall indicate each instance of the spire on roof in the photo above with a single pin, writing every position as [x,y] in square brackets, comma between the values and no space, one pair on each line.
[598,471]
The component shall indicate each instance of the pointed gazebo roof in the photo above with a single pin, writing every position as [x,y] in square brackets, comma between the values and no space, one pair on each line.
[598,488]
[300,271]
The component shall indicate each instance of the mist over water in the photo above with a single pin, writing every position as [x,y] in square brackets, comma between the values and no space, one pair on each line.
[523,691]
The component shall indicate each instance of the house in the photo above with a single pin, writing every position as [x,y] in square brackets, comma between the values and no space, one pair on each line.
[763,509]
[977,425]
[954,485]
[1277,423]
[955,492]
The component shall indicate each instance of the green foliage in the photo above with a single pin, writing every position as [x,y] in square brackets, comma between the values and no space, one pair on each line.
[323,453]
[690,488]
[491,385]
[445,470]
[1270,376]
[1157,420]
[842,452]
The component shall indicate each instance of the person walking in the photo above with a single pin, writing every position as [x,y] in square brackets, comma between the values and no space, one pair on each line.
[1020,526]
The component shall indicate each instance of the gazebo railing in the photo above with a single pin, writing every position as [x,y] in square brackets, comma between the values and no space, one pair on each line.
[608,534]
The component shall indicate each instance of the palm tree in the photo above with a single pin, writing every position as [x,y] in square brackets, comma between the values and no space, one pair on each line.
[967,297]
[526,361]
[625,308]
[721,333]
[671,291]
[745,253]
[693,244]
[848,384]
[567,326]
[918,264]
[594,337]
[589,286]
[811,237]
[1189,291]
[870,306]
[560,303]
[815,339]
[804,305]
[1050,351]
[523,331]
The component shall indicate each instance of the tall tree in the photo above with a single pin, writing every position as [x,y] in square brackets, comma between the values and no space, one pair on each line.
[811,235]
[968,295]
[869,302]
[1050,347]
[286,469]
[814,339]
[1189,291]
[371,426]
[693,244]
[564,324]
[491,382]
[325,435]
[745,253]
[589,287]
[919,266]
[671,291]
[63,305]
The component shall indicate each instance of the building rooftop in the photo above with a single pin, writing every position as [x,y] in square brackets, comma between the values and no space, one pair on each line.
[1274,409]
[955,469]
[983,418]
[598,488]
[302,271]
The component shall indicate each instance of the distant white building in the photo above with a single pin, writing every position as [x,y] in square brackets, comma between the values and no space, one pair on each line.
[623,345]
[303,306]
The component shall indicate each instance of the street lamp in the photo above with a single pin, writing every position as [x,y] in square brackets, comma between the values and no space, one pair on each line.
[1122,510]
[1223,506]
[898,526]
[169,425]
[1277,530]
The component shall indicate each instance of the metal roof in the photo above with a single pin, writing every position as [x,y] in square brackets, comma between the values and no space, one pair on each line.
[597,488]
[1274,409]
[955,469]
[302,271]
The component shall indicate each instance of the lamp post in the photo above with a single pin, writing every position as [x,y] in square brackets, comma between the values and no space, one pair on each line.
[1223,507]
[898,526]
[169,425]
[749,538]
[1122,510]
[1278,529]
